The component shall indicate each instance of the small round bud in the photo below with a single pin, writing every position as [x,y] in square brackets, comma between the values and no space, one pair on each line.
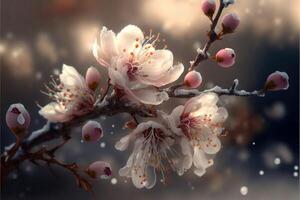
[130,124]
[92,78]
[193,79]
[92,131]
[99,169]
[277,81]
[208,7]
[225,57]
[17,119]
[230,22]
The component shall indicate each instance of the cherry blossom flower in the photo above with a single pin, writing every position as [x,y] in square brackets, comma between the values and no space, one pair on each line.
[152,152]
[199,122]
[71,97]
[134,65]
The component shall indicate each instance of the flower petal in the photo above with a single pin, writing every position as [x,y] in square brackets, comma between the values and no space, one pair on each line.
[54,113]
[209,142]
[129,39]
[163,78]
[105,48]
[200,161]
[71,78]
[148,95]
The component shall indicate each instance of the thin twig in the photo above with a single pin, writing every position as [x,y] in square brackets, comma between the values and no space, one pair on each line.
[212,36]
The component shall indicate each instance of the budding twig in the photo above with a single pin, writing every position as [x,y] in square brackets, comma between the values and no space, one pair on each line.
[212,36]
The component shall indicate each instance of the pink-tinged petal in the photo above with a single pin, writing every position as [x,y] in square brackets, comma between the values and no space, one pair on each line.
[71,78]
[148,95]
[173,120]
[168,77]
[157,64]
[17,119]
[108,44]
[209,142]
[92,78]
[104,48]
[129,39]
[92,131]
[203,100]
[220,115]
[201,162]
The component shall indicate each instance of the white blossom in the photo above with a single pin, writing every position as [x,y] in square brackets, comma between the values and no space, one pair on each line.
[134,65]
[153,151]
[199,123]
[71,97]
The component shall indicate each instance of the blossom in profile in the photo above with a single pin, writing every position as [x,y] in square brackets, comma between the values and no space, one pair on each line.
[17,119]
[71,97]
[152,152]
[199,122]
[134,65]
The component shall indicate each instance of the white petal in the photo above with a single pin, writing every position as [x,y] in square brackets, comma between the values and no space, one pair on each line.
[54,113]
[220,116]
[187,152]
[149,95]
[123,143]
[71,78]
[173,120]
[128,38]
[158,64]
[203,100]
[126,170]
[209,142]
[200,160]
[199,171]
[108,44]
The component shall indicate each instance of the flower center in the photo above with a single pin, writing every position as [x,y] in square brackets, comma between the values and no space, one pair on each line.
[131,70]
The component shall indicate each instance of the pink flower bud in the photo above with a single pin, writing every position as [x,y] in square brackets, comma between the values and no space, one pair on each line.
[208,7]
[92,131]
[92,78]
[99,169]
[17,119]
[230,22]
[193,79]
[277,81]
[225,57]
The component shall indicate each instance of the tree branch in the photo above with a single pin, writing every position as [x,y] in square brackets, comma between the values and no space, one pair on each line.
[212,36]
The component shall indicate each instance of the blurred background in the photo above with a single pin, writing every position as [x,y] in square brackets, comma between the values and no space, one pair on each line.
[259,159]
